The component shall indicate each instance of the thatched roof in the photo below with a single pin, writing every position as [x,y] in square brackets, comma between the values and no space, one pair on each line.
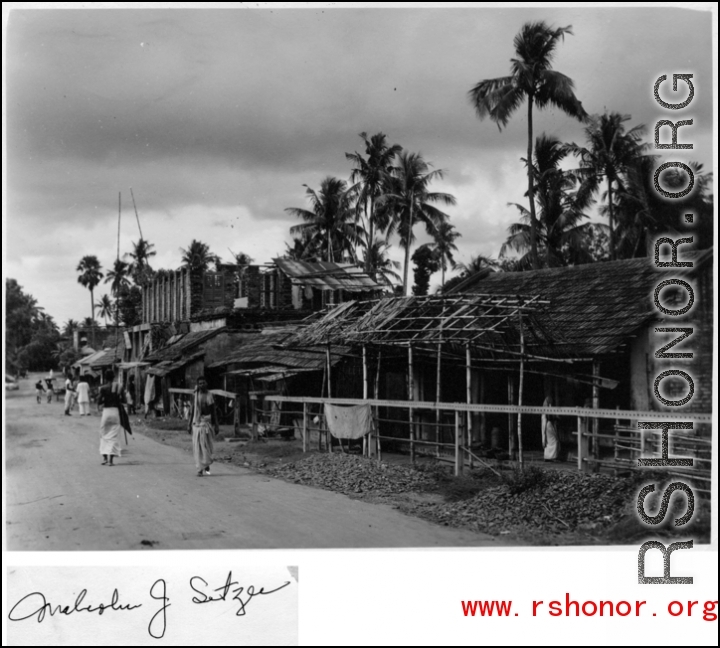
[182,345]
[267,350]
[592,309]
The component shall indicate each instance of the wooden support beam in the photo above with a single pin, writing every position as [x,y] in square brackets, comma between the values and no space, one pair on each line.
[520,394]
[468,398]
[411,397]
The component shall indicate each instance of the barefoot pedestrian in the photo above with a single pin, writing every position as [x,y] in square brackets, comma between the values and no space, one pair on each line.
[110,401]
[203,426]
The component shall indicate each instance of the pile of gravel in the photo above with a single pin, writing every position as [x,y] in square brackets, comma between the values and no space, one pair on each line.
[351,474]
[553,501]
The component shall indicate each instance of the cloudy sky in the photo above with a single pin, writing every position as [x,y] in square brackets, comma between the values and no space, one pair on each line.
[216,118]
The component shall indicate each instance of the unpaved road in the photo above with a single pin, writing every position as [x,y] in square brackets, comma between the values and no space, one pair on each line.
[60,498]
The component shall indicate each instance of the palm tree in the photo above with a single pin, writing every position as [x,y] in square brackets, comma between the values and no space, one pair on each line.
[241,258]
[139,267]
[444,237]
[408,198]
[118,277]
[611,152]
[297,251]
[384,269]
[106,307]
[533,78]
[371,176]
[198,256]
[642,214]
[563,239]
[329,225]
[69,327]
[90,275]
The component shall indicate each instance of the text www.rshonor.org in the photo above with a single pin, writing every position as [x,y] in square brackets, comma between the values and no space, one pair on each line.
[570,607]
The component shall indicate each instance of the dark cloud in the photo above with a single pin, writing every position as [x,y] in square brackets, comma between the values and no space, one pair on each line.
[217,118]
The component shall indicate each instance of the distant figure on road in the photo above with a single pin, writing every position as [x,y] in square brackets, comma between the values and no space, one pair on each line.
[69,394]
[39,390]
[550,436]
[110,428]
[83,397]
[50,387]
[130,395]
[203,426]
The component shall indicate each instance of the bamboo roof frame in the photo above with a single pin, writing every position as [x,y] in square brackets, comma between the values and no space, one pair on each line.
[489,324]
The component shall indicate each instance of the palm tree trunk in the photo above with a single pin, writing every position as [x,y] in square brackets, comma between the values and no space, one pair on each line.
[368,266]
[407,243]
[612,219]
[92,315]
[442,273]
[531,193]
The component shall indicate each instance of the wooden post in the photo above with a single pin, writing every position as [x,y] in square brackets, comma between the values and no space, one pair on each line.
[304,428]
[596,405]
[511,418]
[236,413]
[520,392]
[438,395]
[458,455]
[579,444]
[329,367]
[365,393]
[411,396]
[468,398]
[483,422]
[617,436]
[375,447]
[254,425]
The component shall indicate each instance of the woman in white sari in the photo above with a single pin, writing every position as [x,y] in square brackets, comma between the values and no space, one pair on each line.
[550,436]
[110,427]
[203,425]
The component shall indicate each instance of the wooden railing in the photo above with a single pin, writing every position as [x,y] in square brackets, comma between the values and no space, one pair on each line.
[587,438]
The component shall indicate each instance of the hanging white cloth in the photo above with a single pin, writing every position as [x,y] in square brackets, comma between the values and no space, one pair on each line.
[348,422]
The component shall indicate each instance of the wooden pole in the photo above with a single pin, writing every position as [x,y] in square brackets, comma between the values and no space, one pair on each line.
[458,457]
[438,395]
[375,449]
[596,405]
[511,418]
[411,397]
[468,398]
[329,393]
[520,392]
[365,392]
[579,444]
[304,428]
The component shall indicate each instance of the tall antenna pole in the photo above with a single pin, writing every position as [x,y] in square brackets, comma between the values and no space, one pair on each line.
[119,212]
[117,269]
[136,212]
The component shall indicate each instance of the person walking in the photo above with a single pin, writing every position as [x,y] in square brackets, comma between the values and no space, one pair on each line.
[112,415]
[203,426]
[83,397]
[69,394]
[39,390]
[50,387]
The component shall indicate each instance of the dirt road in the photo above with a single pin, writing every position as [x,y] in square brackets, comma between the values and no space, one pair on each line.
[59,497]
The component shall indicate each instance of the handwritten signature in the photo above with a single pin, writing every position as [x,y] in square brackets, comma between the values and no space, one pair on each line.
[36,605]
[243,595]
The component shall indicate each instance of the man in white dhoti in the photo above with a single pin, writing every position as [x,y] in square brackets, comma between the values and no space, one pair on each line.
[203,426]
[83,397]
